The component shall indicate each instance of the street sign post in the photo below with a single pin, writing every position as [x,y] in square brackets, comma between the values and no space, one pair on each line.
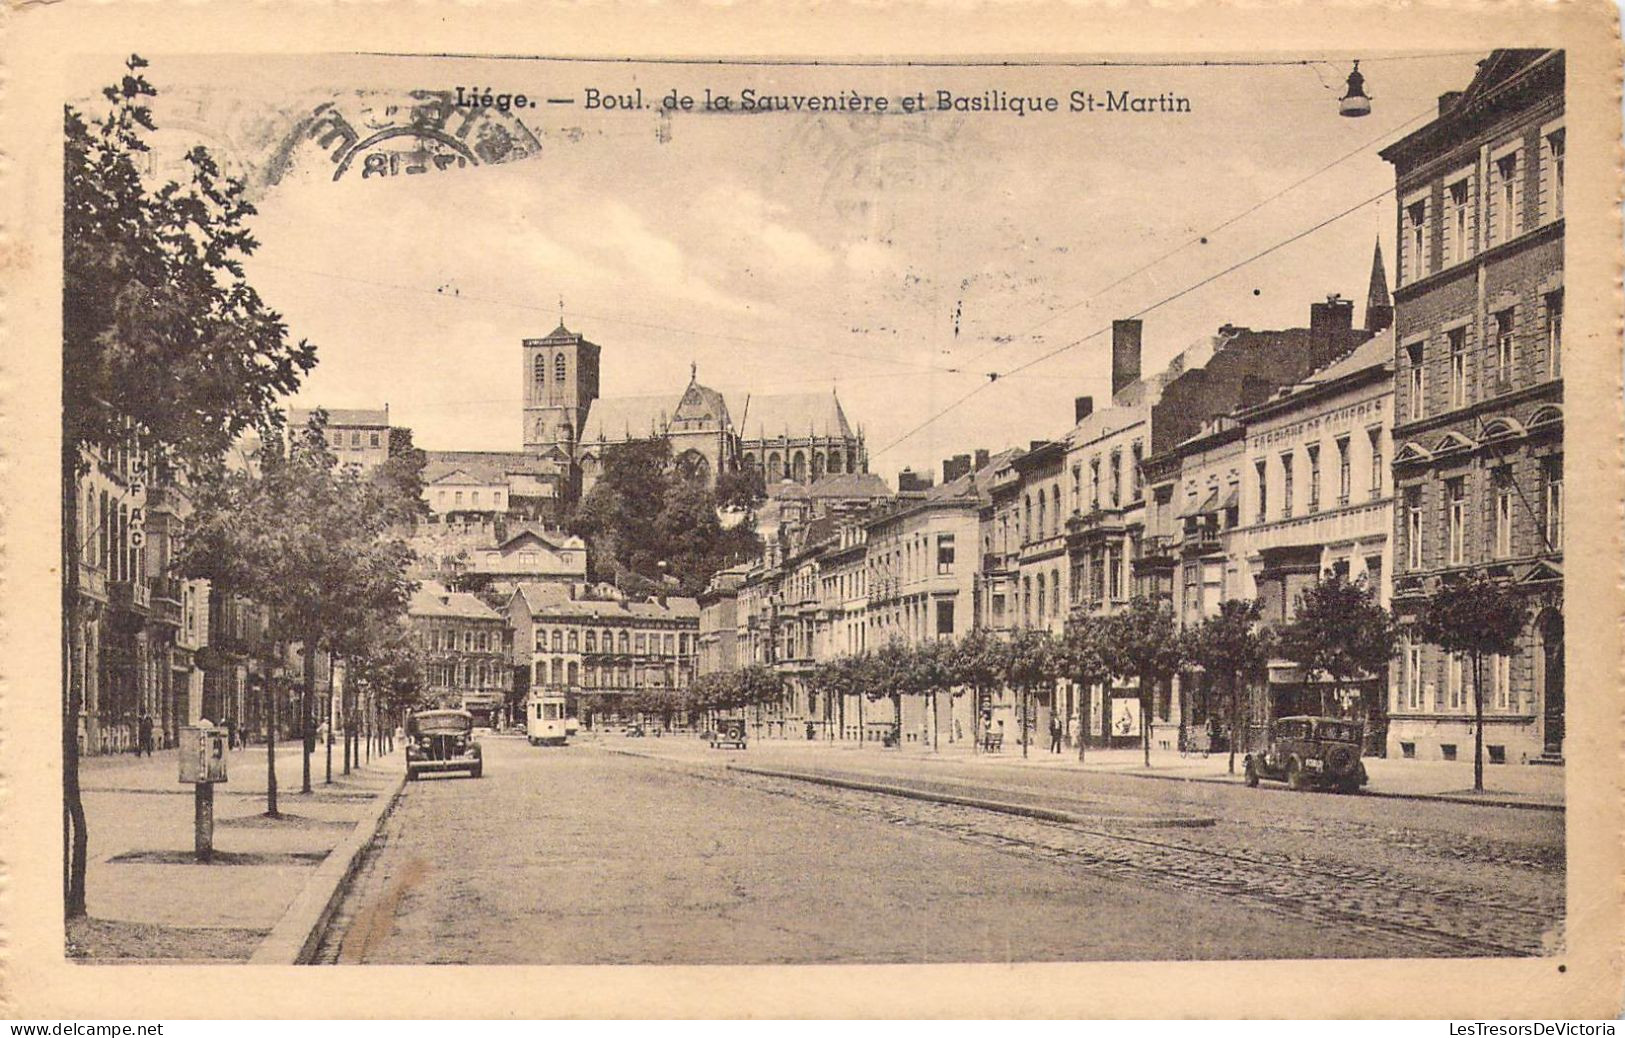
[203,763]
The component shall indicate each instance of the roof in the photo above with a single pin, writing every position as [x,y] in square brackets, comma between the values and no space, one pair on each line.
[844,486]
[701,404]
[434,600]
[551,538]
[676,608]
[298,417]
[614,419]
[482,466]
[791,414]
[1374,355]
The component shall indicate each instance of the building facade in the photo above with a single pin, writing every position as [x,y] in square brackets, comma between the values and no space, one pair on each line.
[468,650]
[356,436]
[1478,470]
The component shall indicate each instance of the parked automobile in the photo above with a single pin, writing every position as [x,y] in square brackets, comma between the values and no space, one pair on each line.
[730,731]
[442,740]
[1305,752]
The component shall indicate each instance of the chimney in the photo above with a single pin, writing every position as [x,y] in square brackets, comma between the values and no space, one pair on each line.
[1336,314]
[1033,445]
[1125,353]
[1082,407]
[982,459]
[954,467]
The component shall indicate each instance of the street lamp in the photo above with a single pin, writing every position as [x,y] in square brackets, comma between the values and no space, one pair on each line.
[1355,103]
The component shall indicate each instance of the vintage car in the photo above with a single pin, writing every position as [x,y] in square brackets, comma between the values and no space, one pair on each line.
[1321,752]
[442,740]
[730,731]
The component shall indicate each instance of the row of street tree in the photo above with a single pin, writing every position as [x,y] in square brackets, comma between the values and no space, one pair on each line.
[1340,635]
[169,353]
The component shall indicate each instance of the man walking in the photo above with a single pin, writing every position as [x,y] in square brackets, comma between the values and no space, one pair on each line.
[143,727]
[1056,733]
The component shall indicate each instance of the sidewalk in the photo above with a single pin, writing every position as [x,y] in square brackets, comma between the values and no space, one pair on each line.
[148,899]
[1521,785]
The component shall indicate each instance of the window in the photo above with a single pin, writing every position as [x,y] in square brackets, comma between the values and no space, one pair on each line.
[1314,478]
[1407,750]
[1500,668]
[1416,405]
[574,640]
[1413,528]
[1456,521]
[1554,333]
[1286,485]
[1027,510]
[1551,472]
[1503,350]
[459,499]
[1457,240]
[1261,468]
[1041,582]
[1094,483]
[1458,681]
[1038,531]
[1114,572]
[1055,592]
[558,368]
[541,369]
[945,619]
[355,439]
[1551,175]
[1117,479]
[624,642]
[1077,488]
[1345,470]
[592,641]
[1447,750]
[1504,223]
[1414,261]
[1375,436]
[558,641]
[1137,481]
[1503,513]
[1026,600]
[1413,676]
[374,438]
[945,553]
[476,499]
[1458,367]
[1055,508]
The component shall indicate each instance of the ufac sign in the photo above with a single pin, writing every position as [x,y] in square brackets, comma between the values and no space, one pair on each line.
[203,753]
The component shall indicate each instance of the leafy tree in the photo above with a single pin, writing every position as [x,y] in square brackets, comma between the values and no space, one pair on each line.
[758,685]
[400,480]
[1031,663]
[1234,648]
[936,673]
[1081,660]
[741,488]
[648,530]
[1480,617]
[839,678]
[980,664]
[1141,642]
[890,673]
[166,347]
[1340,630]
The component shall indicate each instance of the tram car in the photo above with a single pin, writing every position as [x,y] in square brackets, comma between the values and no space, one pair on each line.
[546,723]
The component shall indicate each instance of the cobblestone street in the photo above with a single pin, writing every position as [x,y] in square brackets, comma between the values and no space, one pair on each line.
[658,852]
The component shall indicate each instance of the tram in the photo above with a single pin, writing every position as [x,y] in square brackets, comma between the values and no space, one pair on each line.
[546,723]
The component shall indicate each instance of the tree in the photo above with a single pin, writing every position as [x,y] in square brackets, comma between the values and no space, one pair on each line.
[980,664]
[1030,663]
[1340,630]
[758,685]
[1081,660]
[890,673]
[741,488]
[1233,648]
[1141,642]
[166,347]
[839,678]
[936,674]
[1480,617]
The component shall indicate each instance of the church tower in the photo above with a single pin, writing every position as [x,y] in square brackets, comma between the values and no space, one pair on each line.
[561,382]
[1379,309]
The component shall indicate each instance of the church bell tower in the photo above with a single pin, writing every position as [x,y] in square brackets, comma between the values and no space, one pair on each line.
[561,382]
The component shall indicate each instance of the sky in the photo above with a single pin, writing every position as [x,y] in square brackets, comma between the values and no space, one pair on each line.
[895,258]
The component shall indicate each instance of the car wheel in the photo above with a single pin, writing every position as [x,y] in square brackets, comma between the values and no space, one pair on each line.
[1251,771]
[411,776]
[476,771]
[1349,787]
[1294,775]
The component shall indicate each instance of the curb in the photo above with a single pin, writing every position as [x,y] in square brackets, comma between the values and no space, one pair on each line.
[294,938]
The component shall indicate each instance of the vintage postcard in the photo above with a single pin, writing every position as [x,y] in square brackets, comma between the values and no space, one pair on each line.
[1026,512]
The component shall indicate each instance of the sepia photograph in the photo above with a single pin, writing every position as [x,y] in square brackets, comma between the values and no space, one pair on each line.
[586,509]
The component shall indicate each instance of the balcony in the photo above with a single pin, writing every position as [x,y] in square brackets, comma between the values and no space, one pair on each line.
[92,583]
[166,600]
[132,595]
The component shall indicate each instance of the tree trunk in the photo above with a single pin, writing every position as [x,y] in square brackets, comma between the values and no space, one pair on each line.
[1026,711]
[1235,718]
[74,830]
[1478,722]
[307,698]
[936,724]
[1148,693]
[270,745]
[861,698]
[1083,720]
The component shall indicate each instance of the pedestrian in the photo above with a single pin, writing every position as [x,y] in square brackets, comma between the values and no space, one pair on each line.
[143,726]
[1055,733]
[231,733]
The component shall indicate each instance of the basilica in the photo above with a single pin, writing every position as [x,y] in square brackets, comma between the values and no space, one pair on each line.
[800,437]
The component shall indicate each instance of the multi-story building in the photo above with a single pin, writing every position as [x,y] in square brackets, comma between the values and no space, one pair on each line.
[468,649]
[604,648]
[717,642]
[1478,470]
[493,558]
[357,436]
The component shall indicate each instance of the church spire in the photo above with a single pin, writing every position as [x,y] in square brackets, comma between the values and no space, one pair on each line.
[1379,309]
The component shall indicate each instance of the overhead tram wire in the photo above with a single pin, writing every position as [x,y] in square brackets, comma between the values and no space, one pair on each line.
[981,63]
[994,377]
[1202,238]
[818,350]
